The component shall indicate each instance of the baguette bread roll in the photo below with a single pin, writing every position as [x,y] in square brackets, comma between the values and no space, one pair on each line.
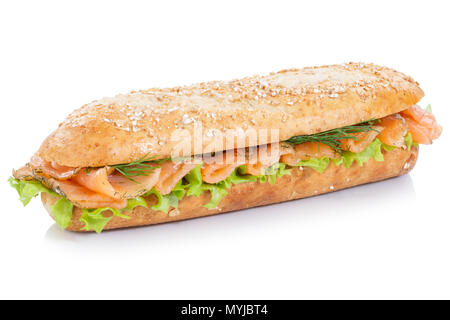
[128,127]
[300,184]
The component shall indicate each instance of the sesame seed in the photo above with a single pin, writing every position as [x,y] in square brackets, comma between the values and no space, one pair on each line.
[186,119]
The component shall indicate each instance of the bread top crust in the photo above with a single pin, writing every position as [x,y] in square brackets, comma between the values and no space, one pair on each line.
[151,122]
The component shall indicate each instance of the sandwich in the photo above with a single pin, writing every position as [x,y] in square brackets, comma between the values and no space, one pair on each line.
[162,155]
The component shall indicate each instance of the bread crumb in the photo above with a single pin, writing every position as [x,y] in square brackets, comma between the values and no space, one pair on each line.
[174,212]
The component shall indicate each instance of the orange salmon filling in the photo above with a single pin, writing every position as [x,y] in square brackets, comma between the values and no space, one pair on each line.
[106,187]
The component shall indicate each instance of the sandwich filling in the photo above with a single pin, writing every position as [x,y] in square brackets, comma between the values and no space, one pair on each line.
[120,188]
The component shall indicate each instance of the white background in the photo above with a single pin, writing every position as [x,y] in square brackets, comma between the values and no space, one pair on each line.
[385,240]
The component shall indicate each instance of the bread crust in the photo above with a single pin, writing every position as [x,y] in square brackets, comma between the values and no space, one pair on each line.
[130,126]
[300,184]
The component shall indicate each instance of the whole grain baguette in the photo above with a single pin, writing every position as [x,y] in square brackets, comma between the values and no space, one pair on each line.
[130,126]
[300,184]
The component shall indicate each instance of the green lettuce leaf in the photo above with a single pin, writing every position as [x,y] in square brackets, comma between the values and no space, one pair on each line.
[195,182]
[387,147]
[62,211]
[317,164]
[409,142]
[28,189]
[240,176]
[196,186]
[218,192]
[133,203]
[273,172]
[94,219]
[165,202]
[263,179]
[179,190]
[373,150]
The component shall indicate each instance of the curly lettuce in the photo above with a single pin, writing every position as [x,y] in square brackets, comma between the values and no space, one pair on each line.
[62,212]
[63,208]
[409,142]
[94,220]
[168,201]
[28,189]
[372,151]
[317,164]
[196,186]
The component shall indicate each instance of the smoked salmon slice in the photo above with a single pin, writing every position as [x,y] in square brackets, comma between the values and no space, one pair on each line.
[24,173]
[307,150]
[171,173]
[394,130]
[216,172]
[125,188]
[51,169]
[220,166]
[422,125]
[363,139]
[96,180]
[114,185]
[86,198]
[420,133]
